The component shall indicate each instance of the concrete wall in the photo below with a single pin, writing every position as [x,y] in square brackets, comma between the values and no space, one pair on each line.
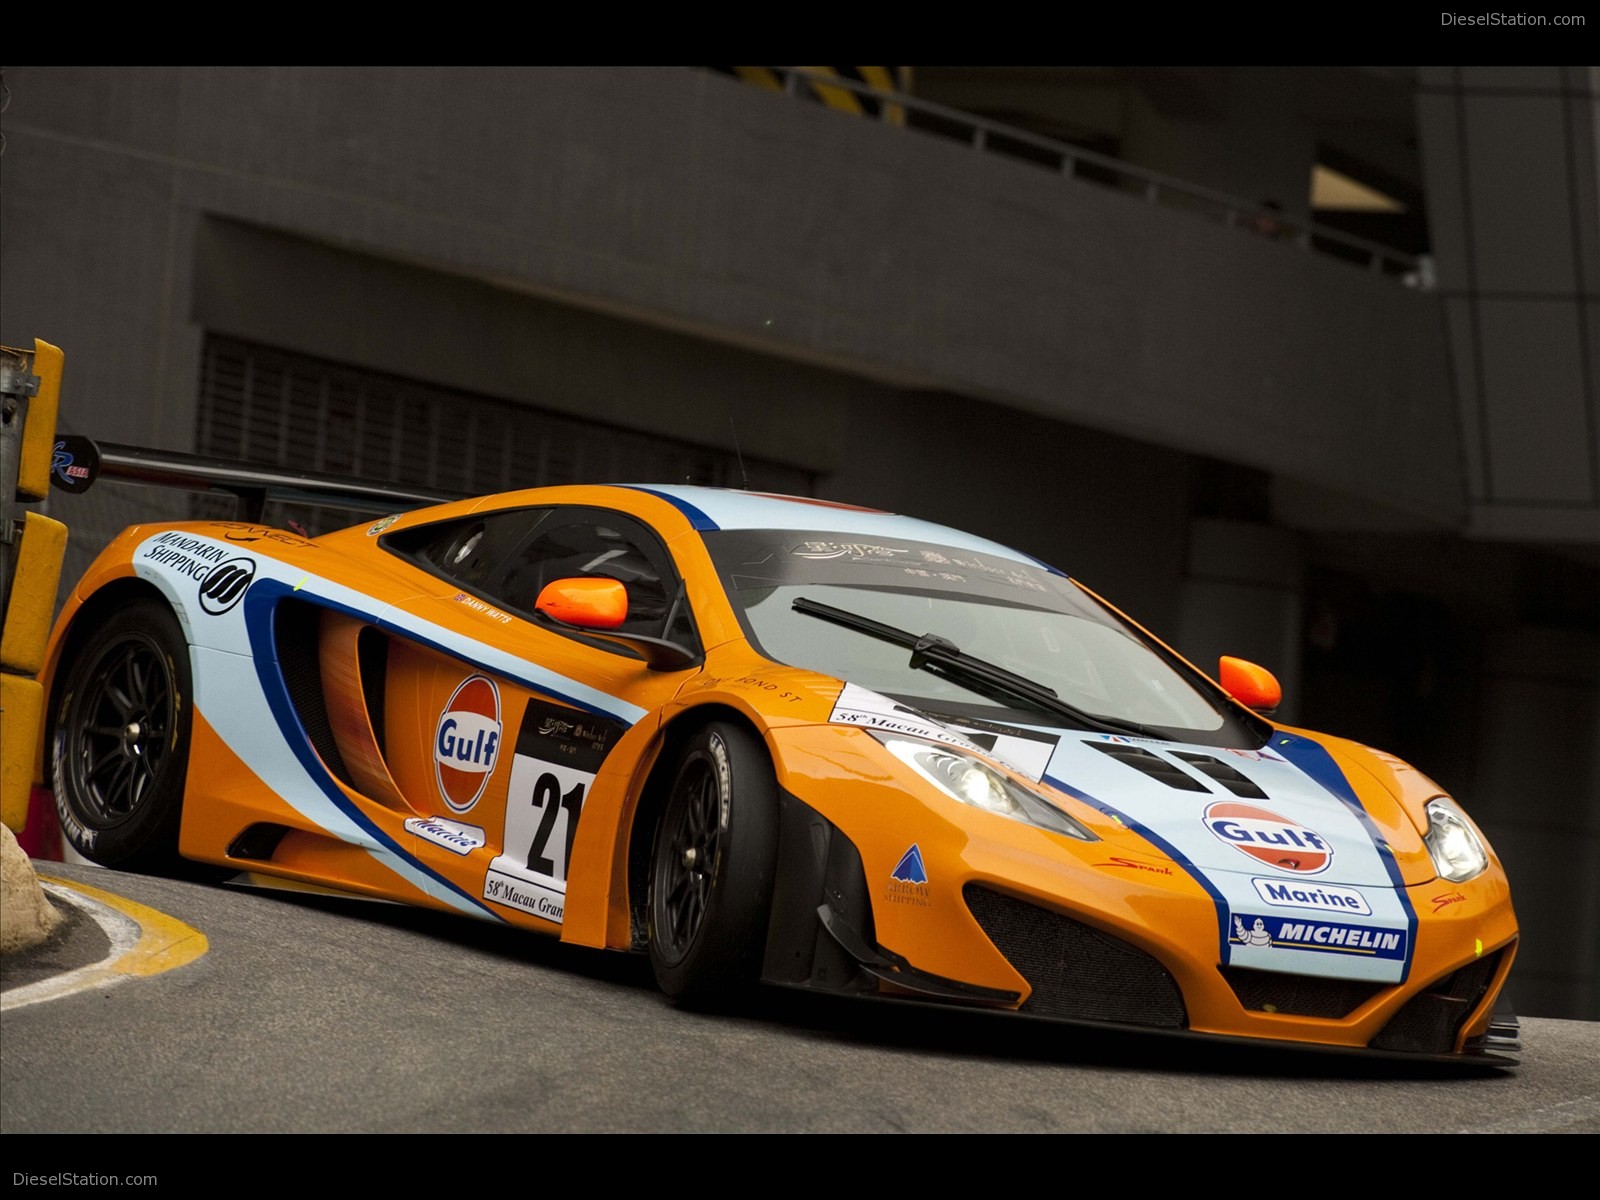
[1513,167]
[1538,771]
[686,200]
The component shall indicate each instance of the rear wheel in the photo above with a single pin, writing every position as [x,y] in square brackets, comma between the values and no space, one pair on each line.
[712,869]
[121,749]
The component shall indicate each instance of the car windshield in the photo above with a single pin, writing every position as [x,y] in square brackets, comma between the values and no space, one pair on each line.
[1015,615]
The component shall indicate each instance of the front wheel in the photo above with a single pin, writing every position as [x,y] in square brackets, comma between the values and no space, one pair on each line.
[121,746]
[712,868]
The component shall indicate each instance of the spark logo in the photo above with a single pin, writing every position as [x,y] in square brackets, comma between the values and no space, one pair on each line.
[466,742]
[1268,838]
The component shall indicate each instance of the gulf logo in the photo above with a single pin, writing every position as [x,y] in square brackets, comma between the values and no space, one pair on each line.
[1268,838]
[466,742]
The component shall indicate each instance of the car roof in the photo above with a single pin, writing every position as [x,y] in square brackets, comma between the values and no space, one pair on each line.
[711,509]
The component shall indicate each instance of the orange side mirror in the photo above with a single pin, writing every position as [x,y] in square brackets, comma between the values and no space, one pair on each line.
[1251,685]
[589,603]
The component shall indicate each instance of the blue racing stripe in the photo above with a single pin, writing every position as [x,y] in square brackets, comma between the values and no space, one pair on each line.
[259,604]
[697,518]
[1317,764]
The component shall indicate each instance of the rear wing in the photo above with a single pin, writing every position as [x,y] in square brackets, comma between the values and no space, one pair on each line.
[79,461]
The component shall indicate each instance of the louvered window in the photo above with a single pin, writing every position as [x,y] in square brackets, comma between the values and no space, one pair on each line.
[267,406]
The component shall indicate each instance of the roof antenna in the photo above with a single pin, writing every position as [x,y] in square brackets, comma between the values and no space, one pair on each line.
[743,474]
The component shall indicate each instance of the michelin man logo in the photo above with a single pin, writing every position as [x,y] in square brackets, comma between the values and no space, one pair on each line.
[1256,935]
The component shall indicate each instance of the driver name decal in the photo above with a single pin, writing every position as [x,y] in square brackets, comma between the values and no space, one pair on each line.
[466,742]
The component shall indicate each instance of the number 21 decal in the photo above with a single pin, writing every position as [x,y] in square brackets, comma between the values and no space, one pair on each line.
[547,798]
[558,753]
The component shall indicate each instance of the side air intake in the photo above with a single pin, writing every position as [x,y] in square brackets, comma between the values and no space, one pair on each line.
[295,632]
[1076,972]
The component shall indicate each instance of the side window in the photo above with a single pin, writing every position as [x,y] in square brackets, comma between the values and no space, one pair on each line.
[592,543]
[468,551]
[508,558]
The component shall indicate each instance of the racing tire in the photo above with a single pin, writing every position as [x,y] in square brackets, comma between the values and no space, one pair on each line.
[712,869]
[121,745]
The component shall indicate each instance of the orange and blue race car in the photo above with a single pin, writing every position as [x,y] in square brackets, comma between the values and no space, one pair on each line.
[772,740]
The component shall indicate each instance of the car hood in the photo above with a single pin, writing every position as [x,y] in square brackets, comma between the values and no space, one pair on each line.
[1285,809]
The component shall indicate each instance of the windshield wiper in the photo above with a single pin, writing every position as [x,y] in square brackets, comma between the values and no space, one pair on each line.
[942,657]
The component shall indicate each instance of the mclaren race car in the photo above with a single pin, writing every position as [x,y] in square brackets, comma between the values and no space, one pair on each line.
[765,739]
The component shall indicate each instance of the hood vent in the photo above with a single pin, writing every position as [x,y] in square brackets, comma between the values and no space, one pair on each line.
[1228,776]
[1152,765]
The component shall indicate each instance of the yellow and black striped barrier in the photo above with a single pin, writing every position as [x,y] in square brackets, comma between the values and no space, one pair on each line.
[31,550]
[815,83]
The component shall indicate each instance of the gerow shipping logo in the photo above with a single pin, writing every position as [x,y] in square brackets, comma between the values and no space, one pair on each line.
[466,743]
[1268,838]
[908,882]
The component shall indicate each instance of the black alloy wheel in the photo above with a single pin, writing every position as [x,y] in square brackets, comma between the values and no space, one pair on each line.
[122,739]
[712,870]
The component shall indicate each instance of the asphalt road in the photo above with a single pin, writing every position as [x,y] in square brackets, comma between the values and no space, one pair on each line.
[308,1014]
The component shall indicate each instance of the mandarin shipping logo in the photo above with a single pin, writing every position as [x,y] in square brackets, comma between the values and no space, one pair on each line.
[225,585]
[466,742]
[1268,838]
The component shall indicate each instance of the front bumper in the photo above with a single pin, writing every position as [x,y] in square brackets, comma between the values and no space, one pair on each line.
[995,928]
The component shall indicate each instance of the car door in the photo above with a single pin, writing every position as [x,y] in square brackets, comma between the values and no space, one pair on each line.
[502,729]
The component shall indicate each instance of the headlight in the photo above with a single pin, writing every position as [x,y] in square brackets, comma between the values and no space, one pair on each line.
[973,781]
[1457,850]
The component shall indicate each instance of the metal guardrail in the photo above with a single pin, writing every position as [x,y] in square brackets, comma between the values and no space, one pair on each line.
[1074,162]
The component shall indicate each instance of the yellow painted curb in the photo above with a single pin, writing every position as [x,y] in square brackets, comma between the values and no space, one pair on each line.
[164,942]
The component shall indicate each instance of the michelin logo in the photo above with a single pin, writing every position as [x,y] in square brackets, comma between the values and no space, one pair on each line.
[1385,943]
[1324,937]
[1326,898]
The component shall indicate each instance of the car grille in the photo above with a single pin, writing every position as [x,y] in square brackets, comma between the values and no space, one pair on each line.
[1299,995]
[1075,972]
[1430,1021]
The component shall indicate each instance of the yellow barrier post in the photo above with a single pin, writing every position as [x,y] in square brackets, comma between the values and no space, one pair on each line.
[31,550]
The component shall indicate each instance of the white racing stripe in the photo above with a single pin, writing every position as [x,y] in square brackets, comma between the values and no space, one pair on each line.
[227,692]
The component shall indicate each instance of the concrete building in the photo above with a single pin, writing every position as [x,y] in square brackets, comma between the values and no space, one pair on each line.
[1102,314]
